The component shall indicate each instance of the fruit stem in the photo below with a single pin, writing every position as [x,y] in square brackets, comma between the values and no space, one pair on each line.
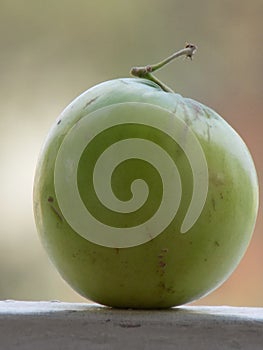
[146,72]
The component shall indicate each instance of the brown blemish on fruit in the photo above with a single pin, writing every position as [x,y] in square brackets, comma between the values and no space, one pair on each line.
[162,264]
[50,199]
[161,285]
[217,244]
[208,132]
[161,261]
[166,288]
[164,250]
[207,115]
[217,179]
[55,210]
[90,102]
[76,253]
[59,122]
[214,204]
[117,250]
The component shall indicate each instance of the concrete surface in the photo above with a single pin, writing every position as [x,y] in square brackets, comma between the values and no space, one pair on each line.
[56,325]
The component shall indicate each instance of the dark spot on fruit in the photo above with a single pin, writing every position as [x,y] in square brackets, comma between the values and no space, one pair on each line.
[164,250]
[208,132]
[59,216]
[217,244]
[161,261]
[59,122]
[90,102]
[221,195]
[50,199]
[205,260]
[161,285]
[214,203]
[168,289]
[217,179]
[191,242]
[117,250]
[208,116]
[162,264]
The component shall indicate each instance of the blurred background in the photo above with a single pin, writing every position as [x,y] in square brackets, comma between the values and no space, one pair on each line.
[51,51]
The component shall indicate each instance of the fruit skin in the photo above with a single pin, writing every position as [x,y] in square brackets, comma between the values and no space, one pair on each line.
[173,268]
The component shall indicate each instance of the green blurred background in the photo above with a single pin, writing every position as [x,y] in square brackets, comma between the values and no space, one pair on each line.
[51,51]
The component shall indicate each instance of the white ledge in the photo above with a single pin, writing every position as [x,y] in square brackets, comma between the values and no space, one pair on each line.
[57,325]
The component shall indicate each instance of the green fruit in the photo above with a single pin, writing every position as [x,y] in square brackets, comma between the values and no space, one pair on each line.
[143,198]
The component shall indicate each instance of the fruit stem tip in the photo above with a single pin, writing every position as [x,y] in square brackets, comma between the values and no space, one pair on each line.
[146,72]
